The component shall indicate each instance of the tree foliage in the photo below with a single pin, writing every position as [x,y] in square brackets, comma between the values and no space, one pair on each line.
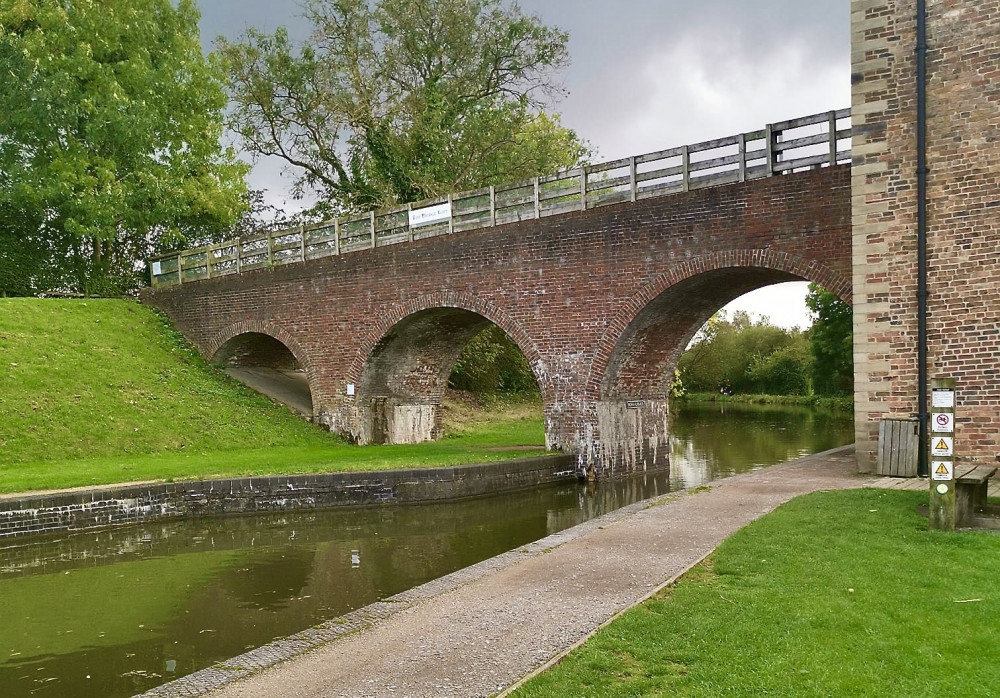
[746,356]
[831,342]
[110,119]
[493,364]
[399,100]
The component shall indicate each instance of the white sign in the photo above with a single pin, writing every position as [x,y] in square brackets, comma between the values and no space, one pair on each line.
[942,446]
[429,215]
[350,388]
[157,269]
[942,489]
[942,470]
[942,397]
[943,422]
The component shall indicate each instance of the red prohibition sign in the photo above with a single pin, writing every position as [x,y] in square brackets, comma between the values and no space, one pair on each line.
[942,420]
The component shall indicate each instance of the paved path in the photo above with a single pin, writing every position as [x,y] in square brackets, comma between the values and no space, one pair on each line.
[290,388]
[477,631]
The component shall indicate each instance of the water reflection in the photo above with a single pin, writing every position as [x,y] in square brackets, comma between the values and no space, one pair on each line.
[714,440]
[117,612]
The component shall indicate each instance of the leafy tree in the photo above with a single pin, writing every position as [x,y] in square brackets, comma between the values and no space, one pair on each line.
[492,364]
[110,118]
[399,100]
[746,356]
[831,342]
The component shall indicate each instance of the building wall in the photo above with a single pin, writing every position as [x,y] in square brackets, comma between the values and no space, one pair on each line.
[963,215]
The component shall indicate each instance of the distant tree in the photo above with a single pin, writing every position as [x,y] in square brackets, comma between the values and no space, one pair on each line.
[831,342]
[746,356]
[493,364]
[110,118]
[394,101]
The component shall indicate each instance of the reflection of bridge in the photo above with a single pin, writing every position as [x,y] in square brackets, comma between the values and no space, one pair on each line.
[598,276]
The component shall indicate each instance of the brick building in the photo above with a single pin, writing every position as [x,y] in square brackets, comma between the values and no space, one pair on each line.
[963,215]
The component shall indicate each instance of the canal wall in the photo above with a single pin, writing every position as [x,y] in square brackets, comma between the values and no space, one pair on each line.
[93,508]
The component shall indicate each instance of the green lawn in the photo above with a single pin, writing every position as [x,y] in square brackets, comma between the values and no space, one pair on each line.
[102,391]
[834,594]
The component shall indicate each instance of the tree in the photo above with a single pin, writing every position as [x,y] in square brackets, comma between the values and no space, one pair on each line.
[400,100]
[110,119]
[831,342]
[746,356]
[493,364]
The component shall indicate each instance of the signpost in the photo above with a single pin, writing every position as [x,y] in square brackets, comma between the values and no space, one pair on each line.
[942,455]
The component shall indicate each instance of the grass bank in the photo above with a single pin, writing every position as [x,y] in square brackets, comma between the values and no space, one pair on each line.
[845,403]
[105,391]
[834,594]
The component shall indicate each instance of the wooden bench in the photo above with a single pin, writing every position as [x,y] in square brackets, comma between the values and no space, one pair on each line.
[971,483]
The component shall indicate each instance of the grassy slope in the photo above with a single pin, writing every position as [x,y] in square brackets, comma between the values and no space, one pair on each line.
[835,594]
[100,391]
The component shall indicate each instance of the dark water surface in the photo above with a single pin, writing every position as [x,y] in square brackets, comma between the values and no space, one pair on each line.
[115,613]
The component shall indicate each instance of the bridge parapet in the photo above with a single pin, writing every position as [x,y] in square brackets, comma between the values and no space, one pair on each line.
[820,140]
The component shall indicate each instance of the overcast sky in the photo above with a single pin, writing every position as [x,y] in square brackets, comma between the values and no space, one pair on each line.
[652,74]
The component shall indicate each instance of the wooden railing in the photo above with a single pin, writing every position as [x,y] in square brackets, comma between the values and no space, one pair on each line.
[814,141]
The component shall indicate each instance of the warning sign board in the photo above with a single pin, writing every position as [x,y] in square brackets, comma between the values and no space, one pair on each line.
[943,422]
[942,470]
[943,397]
[942,446]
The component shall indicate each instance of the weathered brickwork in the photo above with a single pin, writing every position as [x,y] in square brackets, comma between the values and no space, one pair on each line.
[600,302]
[963,215]
[114,506]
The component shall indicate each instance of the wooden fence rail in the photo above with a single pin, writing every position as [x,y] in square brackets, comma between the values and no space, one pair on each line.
[820,140]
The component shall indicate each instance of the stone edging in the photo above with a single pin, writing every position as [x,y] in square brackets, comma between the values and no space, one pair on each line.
[93,508]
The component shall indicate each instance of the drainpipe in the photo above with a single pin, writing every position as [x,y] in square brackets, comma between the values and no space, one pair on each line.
[922,293]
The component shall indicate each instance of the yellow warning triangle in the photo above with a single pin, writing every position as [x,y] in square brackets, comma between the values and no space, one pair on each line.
[941,445]
[942,469]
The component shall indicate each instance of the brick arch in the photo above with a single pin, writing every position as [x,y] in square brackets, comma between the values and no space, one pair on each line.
[765,260]
[449,299]
[271,329]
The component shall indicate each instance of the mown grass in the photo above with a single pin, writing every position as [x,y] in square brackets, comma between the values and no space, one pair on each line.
[845,403]
[834,594]
[103,391]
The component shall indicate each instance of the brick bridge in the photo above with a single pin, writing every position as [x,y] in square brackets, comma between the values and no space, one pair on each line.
[601,276]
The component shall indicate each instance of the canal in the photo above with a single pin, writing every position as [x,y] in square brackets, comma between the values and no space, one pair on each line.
[117,612]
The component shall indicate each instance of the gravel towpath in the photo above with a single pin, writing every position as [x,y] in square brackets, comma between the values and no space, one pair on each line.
[480,630]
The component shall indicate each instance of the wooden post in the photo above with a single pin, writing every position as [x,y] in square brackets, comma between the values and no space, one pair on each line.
[180,269]
[686,167]
[208,262]
[371,217]
[239,255]
[409,229]
[583,188]
[270,249]
[633,185]
[743,157]
[302,239]
[769,149]
[941,450]
[493,205]
[833,138]
[451,216]
[336,236]
[538,196]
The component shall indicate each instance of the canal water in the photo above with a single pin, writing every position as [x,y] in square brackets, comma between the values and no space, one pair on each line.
[117,612]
